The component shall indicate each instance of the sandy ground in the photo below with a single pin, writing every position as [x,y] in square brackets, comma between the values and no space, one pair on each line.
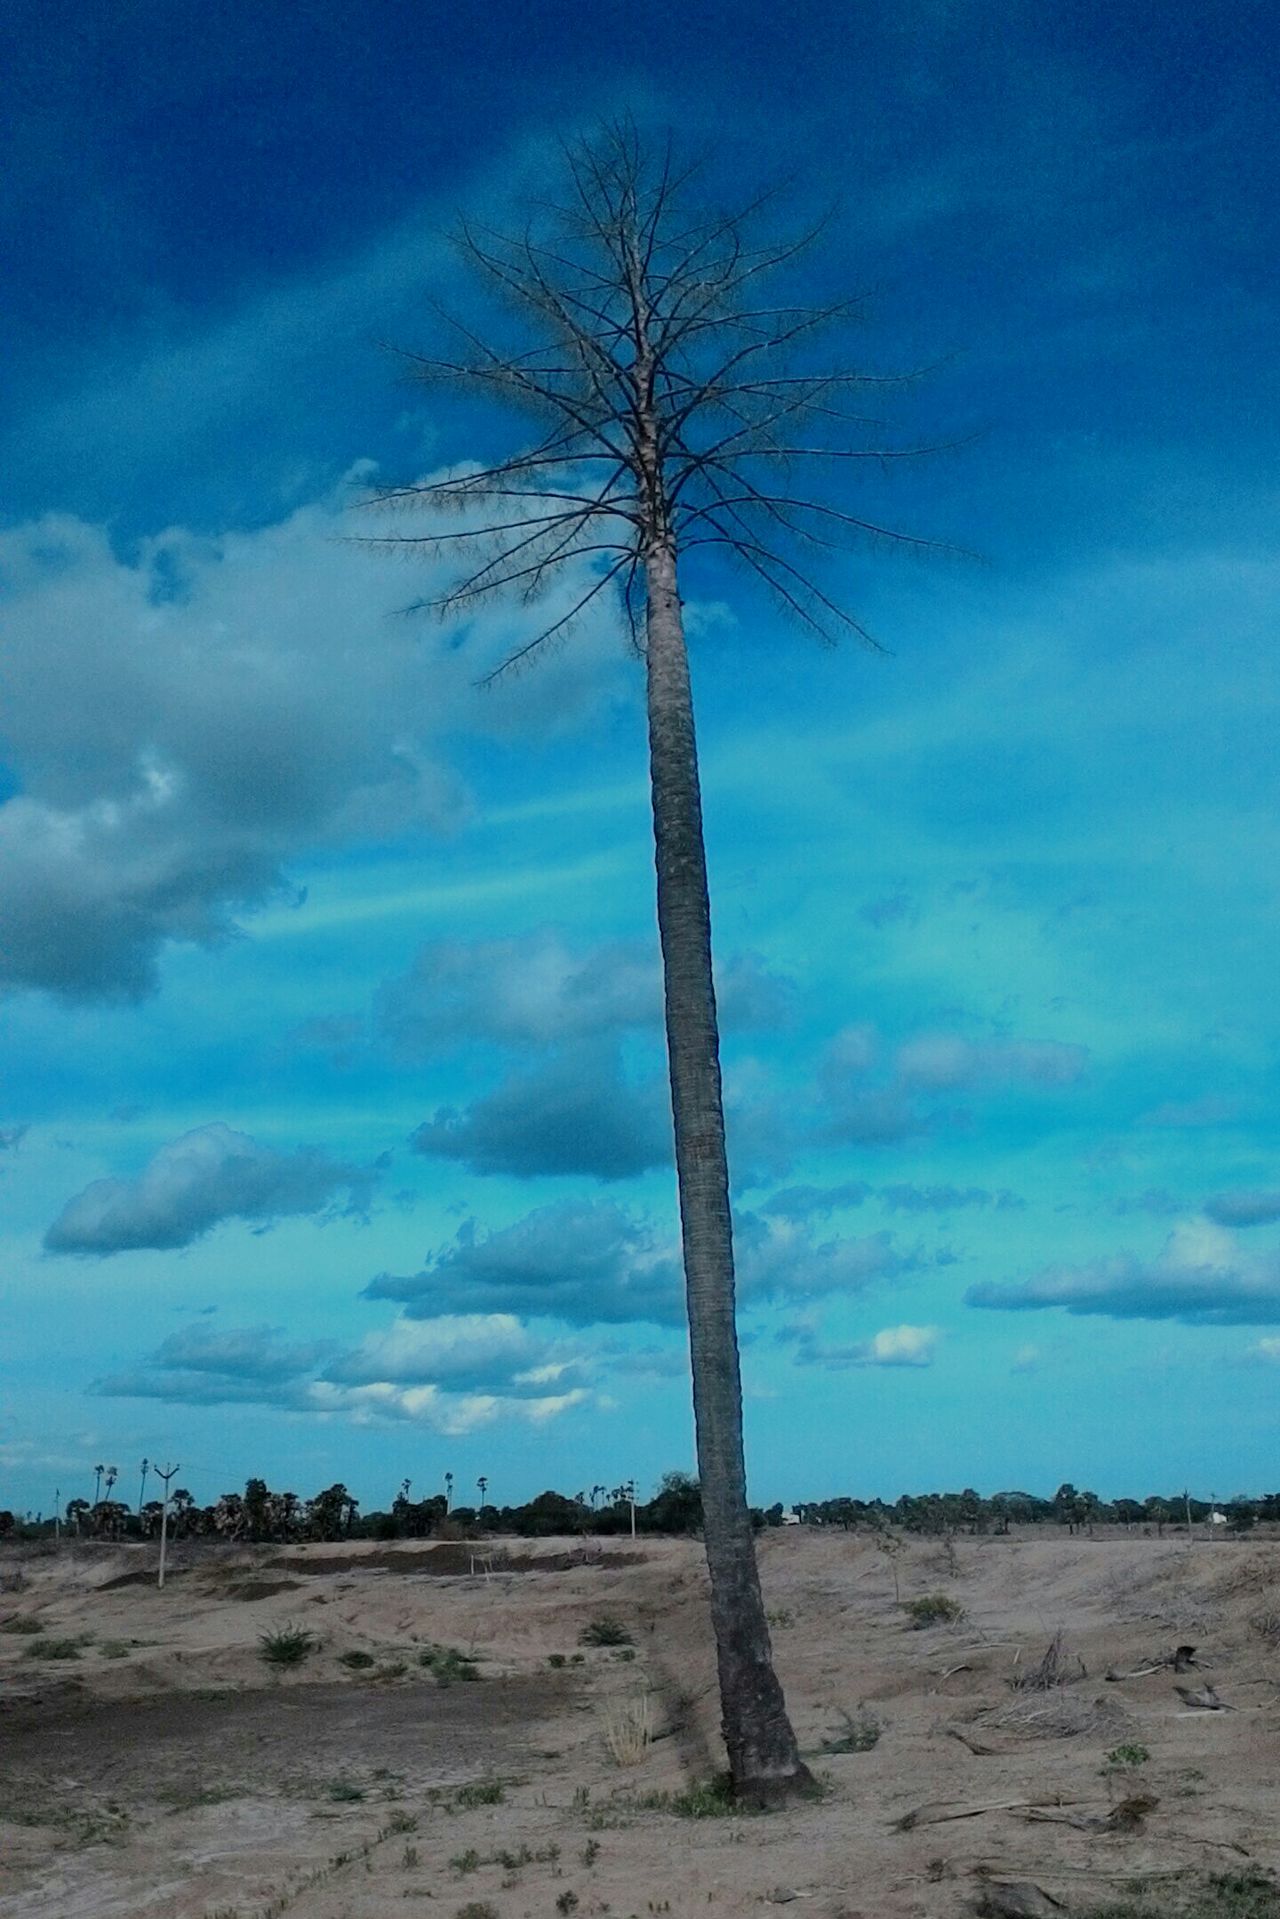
[167,1773]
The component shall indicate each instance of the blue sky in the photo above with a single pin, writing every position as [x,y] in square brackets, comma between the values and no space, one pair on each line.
[333,1122]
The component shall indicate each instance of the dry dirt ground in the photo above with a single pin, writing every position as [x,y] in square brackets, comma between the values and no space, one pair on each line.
[167,1773]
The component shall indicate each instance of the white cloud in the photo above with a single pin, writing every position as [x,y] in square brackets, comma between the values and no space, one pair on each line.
[191,1185]
[453,1375]
[535,990]
[947,1062]
[891,1346]
[183,721]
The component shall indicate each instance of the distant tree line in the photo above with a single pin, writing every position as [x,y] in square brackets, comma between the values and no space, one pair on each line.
[260,1516]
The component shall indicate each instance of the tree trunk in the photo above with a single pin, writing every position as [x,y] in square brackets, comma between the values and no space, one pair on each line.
[764,1761]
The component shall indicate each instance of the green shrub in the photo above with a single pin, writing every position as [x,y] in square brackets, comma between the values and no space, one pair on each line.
[1125,1759]
[345,1792]
[356,1661]
[290,1645]
[556,1659]
[21,1622]
[605,1631]
[933,1609]
[53,1649]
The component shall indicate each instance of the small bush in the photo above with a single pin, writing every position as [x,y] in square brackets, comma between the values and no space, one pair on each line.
[21,1622]
[1125,1759]
[567,1902]
[465,1862]
[53,1649]
[556,1659]
[604,1631]
[345,1792]
[477,1909]
[356,1661]
[933,1609]
[290,1645]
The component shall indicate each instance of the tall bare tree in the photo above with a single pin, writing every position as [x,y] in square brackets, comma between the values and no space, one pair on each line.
[676,406]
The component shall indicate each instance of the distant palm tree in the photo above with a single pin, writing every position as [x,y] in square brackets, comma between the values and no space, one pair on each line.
[142,1490]
[112,1475]
[448,1491]
[483,1484]
[97,1484]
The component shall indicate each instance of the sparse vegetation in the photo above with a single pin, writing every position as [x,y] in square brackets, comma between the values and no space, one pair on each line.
[1251,1894]
[43,1648]
[21,1623]
[860,1733]
[288,1645]
[1122,1759]
[1267,1625]
[356,1661]
[933,1609]
[345,1792]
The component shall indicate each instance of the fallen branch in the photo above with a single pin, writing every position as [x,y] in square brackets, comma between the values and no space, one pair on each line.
[1206,1699]
[942,1812]
[1128,1816]
[975,1746]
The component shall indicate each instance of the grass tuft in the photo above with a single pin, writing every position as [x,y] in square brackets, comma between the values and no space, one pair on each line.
[604,1631]
[628,1729]
[289,1645]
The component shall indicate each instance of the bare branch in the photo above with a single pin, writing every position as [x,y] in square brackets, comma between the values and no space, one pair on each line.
[679,400]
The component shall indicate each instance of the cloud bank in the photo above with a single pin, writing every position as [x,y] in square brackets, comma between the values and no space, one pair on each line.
[1200,1276]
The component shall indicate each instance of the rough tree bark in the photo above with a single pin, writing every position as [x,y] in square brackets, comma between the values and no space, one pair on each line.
[764,1760]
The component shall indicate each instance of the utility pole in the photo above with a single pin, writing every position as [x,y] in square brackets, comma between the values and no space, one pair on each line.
[1186,1500]
[166,1473]
[57,1515]
[142,1490]
[631,1495]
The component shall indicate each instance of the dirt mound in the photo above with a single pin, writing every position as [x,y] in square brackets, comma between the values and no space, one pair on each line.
[451,1559]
